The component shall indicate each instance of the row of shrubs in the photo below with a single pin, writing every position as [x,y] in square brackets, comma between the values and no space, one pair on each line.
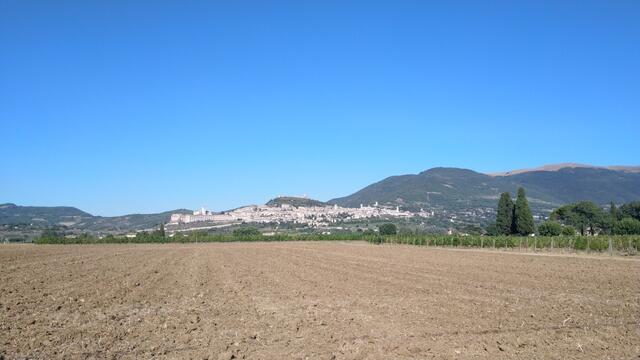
[595,243]
[195,237]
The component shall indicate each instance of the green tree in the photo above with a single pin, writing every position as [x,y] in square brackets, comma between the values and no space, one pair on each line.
[627,226]
[492,229]
[568,230]
[590,215]
[564,214]
[504,217]
[608,222]
[50,236]
[613,211]
[522,217]
[388,229]
[631,210]
[586,216]
[246,232]
[550,228]
[162,233]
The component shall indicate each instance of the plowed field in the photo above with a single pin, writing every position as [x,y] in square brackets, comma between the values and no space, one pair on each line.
[313,300]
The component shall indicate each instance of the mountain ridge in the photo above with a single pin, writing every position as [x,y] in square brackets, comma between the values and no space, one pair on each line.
[447,189]
[73,217]
[560,166]
[457,188]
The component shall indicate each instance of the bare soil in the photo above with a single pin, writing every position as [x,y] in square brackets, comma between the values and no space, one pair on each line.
[313,300]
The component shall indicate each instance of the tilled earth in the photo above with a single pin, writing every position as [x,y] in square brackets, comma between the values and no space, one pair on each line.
[313,300]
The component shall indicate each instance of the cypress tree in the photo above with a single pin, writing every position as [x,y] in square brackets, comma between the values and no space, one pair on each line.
[162,230]
[614,217]
[522,217]
[514,230]
[504,218]
[614,212]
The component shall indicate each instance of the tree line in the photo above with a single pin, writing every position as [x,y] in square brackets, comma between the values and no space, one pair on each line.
[583,217]
[590,219]
[242,234]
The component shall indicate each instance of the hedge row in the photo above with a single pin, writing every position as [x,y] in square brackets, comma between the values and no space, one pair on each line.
[194,237]
[624,243]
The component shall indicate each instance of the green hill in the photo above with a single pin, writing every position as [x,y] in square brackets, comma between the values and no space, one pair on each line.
[129,222]
[295,201]
[573,184]
[47,216]
[453,188]
[14,214]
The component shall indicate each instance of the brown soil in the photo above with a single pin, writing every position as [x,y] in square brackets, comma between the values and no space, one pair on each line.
[318,300]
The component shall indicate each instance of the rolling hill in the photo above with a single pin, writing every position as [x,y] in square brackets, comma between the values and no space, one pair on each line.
[46,216]
[568,185]
[556,167]
[14,214]
[453,188]
[294,201]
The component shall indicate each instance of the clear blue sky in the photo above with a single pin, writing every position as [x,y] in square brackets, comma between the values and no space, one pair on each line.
[142,106]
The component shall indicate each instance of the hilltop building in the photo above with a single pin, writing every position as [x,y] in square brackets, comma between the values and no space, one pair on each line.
[314,216]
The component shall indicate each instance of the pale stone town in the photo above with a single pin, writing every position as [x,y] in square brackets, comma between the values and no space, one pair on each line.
[312,216]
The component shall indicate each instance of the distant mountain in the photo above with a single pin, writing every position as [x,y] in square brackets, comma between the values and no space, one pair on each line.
[14,214]
[568,185]
[450,188]
[44,216]
[453,188]
[295,201]
[129,222]
[556,167]
[455,191]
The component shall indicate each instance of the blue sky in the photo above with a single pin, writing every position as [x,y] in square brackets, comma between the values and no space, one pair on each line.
[142,106]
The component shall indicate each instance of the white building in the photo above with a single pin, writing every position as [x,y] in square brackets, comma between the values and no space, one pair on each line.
[315,216]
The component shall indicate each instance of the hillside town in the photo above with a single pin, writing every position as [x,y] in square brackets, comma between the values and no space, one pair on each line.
[311,216]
